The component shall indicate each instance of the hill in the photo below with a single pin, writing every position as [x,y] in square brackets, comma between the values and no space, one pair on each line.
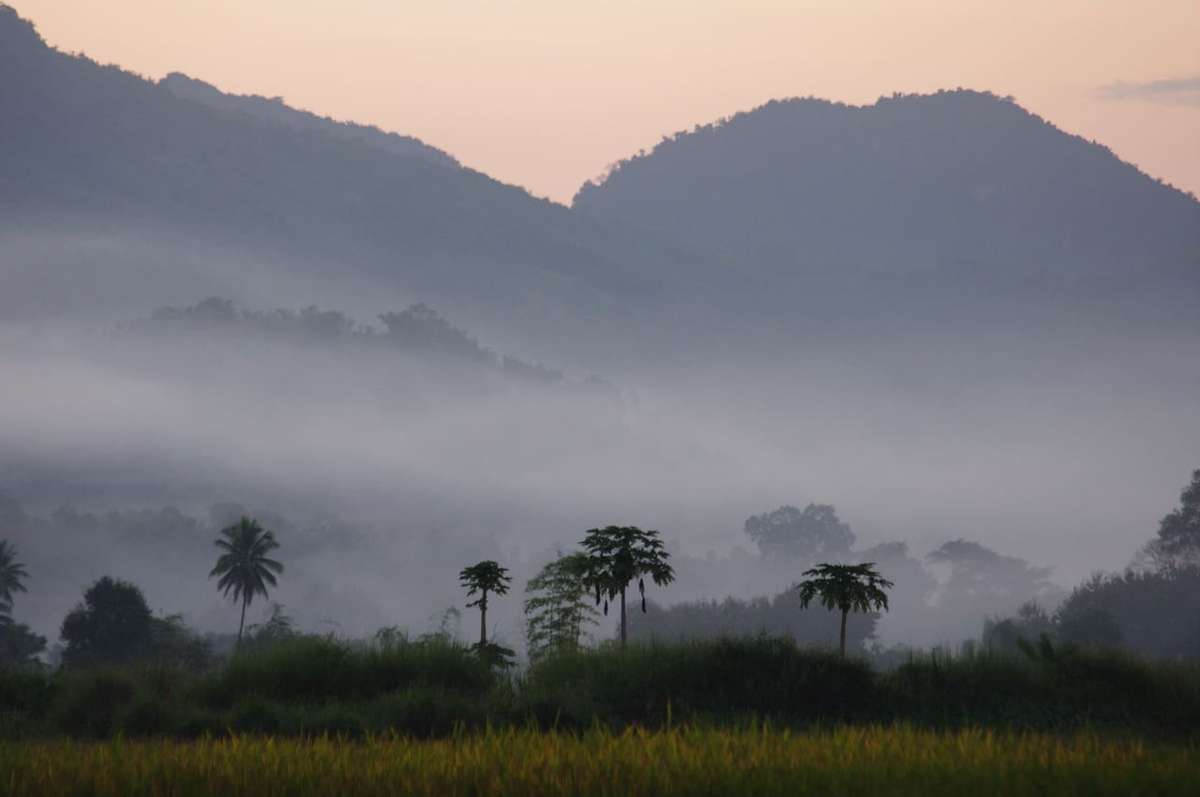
[273,109]
[130,192]
[956,178]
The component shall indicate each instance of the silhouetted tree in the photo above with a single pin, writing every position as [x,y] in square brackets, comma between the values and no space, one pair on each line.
[243,566]
[112,625]
[1030,624]
[480,579]
[847,588]
[278,627]
[1089,626]
[557,608]
[12,576]
[776,616]
[616,555]
[985,583]
[1154,613]
[19,645]
[1178,542]
[815,533]
[173,642]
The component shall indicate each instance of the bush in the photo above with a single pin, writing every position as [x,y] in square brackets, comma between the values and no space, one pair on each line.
[312,670]
[426,712]
[722,679]
[90,702]
[255,715]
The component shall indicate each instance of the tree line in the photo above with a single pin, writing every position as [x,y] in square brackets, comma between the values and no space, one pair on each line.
[1151,607]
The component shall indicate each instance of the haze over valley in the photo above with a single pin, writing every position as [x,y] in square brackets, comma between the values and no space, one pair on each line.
[968,331]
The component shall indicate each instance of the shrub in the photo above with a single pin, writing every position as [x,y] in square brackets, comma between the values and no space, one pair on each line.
[91,701]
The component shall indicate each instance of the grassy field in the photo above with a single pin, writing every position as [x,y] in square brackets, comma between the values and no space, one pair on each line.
[867,760]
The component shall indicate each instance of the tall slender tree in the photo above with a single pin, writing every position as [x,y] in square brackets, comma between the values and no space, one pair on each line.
[616,555]
[847,588]
[557,606]
[480,579]
[244,568]
[12,576]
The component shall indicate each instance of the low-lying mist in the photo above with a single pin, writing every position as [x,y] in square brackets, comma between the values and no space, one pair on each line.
[386,463]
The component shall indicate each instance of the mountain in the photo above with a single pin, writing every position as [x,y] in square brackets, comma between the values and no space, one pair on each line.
[956,179]
[116,192]
[273,109]
[765,235]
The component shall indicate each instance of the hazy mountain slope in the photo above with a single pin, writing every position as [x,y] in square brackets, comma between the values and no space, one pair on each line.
[911,181]
[89,149]
[272,109]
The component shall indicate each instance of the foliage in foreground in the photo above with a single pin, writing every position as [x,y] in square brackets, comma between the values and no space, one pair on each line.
[687,761]
[312,686]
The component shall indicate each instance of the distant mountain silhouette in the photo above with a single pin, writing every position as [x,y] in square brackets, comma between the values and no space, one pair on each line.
[803,220]
[913,181]
[274,110]
[91,147]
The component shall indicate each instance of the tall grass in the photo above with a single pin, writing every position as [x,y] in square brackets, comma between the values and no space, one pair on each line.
[689,761]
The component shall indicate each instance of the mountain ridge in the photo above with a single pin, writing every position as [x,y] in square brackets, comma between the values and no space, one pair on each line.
[956,174]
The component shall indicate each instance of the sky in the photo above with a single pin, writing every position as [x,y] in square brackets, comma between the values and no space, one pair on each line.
[547,93]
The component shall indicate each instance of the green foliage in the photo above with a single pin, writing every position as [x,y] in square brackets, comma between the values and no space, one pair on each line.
[616,555]
[557,609]
[1151,613]
[277,628]
[244,568]
[1005,635]
[1178,542]
[780,616]
[12,576]
[712,680]
[805,535]
[173,643]
[310,685]
[846,588]
[480,579]
[112,625]
[90,703]
[313,670]
[19,645]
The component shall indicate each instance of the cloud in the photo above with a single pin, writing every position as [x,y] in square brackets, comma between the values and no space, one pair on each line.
[1175,91]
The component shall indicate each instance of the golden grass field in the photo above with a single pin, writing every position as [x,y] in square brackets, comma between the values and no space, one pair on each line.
[686,761]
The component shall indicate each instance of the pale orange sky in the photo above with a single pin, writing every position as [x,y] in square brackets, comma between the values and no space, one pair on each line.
[546,93]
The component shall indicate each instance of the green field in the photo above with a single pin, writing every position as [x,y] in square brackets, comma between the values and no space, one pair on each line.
[869,760]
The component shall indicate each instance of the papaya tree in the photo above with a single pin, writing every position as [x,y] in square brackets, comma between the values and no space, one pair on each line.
[480,579]
[616,555]
[846,588]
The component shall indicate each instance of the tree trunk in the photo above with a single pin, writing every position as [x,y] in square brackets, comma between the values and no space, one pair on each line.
[623,632]
[844,613]
[242,624]
[483,621]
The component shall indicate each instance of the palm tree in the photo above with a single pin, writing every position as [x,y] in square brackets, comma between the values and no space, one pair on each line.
[848,588]
[12,575]
[616,555]
[243,566]
[482,578]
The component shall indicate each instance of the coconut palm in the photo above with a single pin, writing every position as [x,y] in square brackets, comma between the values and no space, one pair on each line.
[12,576]
[616,555]
[480,579]
[243,565]
[847,588]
